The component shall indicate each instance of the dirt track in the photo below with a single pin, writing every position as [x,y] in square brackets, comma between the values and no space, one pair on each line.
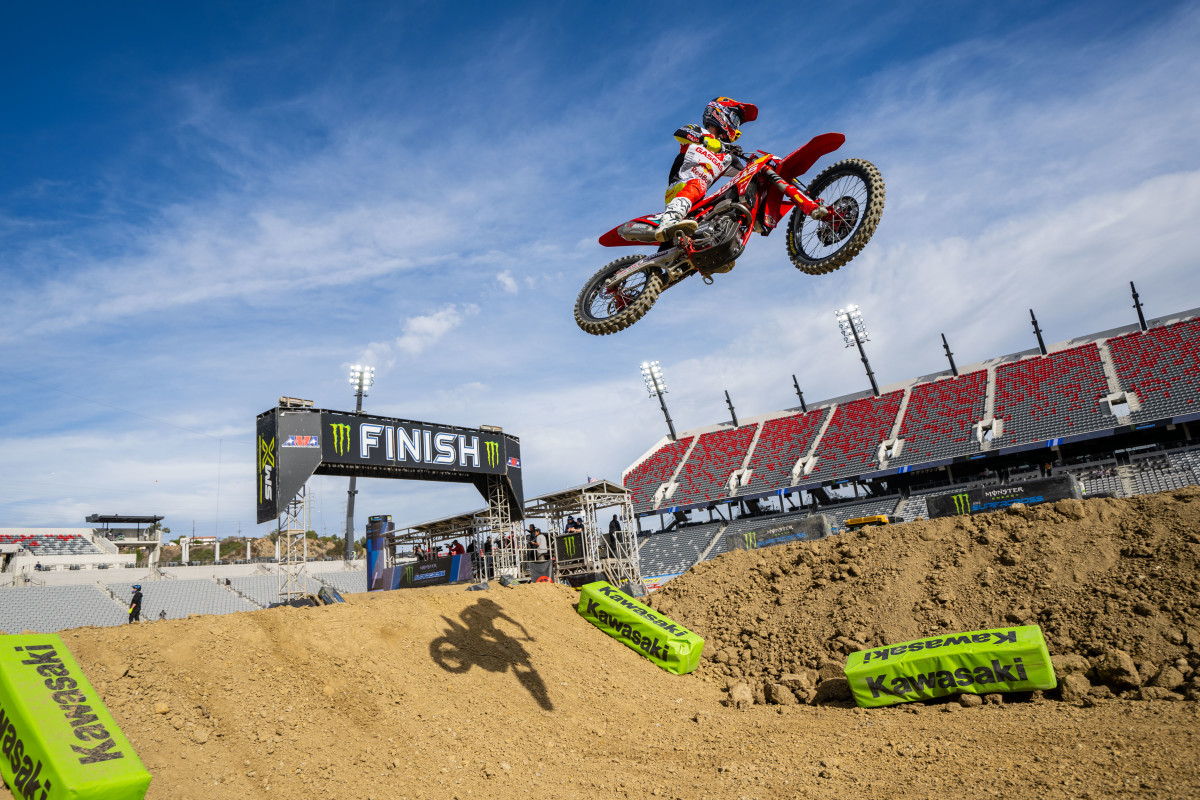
[509,693]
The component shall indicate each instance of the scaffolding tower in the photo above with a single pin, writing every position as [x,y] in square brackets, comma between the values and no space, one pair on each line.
[293,548]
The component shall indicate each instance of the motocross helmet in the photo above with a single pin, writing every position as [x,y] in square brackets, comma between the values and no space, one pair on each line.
[727,116]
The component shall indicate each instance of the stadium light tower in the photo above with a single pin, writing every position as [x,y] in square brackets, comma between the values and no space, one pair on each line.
[854,332]
[657,387]
[361,379]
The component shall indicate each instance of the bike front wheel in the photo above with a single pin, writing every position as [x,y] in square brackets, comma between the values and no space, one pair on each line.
[854,193]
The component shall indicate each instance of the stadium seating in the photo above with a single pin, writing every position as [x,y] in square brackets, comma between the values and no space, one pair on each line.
[672,552]
[181,598]
[53,544]
[852,439]
[939,419]
[1162,367]
[783,442]
[46,609]
[346,581]
[644,479]
[263,590]
[841,512]
[1046,397]
[705,474]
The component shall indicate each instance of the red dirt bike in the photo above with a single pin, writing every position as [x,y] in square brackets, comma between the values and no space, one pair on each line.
[838,212]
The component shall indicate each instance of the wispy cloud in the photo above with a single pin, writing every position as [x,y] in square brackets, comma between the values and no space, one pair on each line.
[1025,168]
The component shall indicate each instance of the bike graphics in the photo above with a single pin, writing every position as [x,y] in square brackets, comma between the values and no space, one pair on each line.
[838,211]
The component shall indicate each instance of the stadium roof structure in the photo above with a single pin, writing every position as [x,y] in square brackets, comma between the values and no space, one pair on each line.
[109,519]
[564,501]
[559,503]
[1036,436]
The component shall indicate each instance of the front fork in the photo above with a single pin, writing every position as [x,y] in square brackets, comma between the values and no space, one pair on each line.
[806,204]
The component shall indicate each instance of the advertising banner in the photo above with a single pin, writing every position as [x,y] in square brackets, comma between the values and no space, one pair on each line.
[414,574]
[979,500]
[568,547]
[293,444]
[56,736]
[377,526]
[805,529]
[666,643]
[979,662]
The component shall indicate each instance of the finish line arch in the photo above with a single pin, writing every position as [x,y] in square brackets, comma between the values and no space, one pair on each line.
[293,444]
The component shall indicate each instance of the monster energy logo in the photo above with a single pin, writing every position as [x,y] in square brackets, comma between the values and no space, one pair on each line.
[407,576]
[266,465]
[493,454]
[569,545]
[962,503]
[751,539]
[341,438]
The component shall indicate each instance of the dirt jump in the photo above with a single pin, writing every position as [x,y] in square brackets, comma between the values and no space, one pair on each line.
[445,693]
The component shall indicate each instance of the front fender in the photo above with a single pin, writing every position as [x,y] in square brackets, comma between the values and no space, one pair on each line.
[800,161]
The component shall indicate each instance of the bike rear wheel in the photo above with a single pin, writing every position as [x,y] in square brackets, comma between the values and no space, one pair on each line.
[601,311]
[854,192]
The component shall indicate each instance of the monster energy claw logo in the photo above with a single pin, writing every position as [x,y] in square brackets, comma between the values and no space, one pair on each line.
[408,573]
[751,539]
[493,454]
[962,503]
[341,438]
[569,545]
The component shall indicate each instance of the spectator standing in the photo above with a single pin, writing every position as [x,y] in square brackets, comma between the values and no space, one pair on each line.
[615,525]
[162,614]
[456,548]
[135,606]
[541,546]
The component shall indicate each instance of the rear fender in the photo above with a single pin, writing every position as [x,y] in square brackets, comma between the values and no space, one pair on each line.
[637,231]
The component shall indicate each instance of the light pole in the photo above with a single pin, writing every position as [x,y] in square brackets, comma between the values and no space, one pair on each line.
[854,332]
[361,379]
[657,387]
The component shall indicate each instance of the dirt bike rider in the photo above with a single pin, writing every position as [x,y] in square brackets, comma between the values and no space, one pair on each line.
[706,153]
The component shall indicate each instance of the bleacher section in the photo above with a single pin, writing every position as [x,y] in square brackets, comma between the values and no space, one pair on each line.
[264,589]
[46,609]
[53,544]
[672,552]
[180,598]
[346,581]
[705,475]
[841,512]
[644,479]
[783,442]
[1162,367]
[1159,474]
[1046,397]
[939,419]
[852,439]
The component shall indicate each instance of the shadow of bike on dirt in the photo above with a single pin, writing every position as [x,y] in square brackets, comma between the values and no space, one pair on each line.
[478,642]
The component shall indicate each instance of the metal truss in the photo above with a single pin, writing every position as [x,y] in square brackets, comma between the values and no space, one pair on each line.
[293,553]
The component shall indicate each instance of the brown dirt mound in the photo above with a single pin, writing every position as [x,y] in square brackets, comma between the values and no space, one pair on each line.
[443,693]
[1107,580]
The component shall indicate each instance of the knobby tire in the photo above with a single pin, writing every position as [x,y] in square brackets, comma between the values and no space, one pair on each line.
[870,176]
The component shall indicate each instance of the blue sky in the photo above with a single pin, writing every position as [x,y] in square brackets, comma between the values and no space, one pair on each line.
[204,207]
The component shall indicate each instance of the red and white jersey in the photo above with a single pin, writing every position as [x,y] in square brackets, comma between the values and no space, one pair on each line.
[696,161]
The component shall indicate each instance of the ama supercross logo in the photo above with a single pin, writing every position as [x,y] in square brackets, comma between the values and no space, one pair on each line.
[341,438]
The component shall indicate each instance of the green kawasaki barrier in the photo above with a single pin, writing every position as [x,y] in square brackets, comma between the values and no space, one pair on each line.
[670,645]
[980,662]
[57,740]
